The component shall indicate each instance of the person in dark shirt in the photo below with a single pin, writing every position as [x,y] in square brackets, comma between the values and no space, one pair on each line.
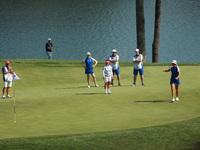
[49,48]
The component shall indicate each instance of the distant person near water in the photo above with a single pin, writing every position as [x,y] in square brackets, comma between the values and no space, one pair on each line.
[89,68]
[114,62]
[49,48]
[7,78]
[138,67]
[107,76]
[174,81]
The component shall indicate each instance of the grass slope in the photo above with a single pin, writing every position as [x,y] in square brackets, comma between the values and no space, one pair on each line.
[52,98]
[177,136]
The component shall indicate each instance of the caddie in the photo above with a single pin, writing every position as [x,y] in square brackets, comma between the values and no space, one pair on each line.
[7,78]
[114,62]
[138,67]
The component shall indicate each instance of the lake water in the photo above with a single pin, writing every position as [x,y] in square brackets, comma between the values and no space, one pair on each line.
[98,26]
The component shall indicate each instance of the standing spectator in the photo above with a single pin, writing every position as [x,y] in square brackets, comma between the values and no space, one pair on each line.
[138,67]
[89,68]
[49,48]
[7,78]
[114,62]
[107,76]
[174,82]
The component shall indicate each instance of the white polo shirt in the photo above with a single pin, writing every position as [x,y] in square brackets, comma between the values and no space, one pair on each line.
[115,65]
[138,65]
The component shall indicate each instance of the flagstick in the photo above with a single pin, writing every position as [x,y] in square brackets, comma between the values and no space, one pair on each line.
[14,100]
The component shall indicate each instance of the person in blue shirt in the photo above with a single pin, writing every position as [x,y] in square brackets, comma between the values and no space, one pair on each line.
[49,48]
[174,81]
[89,68]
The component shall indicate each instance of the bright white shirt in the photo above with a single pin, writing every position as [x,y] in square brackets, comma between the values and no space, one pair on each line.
[138,65]
[107,71]
[115,65]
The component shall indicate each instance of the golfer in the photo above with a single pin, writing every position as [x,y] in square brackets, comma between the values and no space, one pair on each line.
[114,62]
[107,76]
[49,48]
[138,67]
[7,78]
[174,82]
[89,68]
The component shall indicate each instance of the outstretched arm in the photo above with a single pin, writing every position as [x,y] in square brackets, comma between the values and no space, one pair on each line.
[166,70]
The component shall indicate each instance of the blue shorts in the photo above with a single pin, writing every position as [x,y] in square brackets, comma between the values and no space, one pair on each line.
[116,72]
[89,70]
[135,71]
[174,81]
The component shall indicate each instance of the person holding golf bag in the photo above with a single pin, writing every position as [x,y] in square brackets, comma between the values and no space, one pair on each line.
[7,78]
[107,76]
[174,81]
[89,68]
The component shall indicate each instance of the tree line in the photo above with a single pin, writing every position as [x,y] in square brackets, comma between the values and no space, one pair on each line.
[140,25]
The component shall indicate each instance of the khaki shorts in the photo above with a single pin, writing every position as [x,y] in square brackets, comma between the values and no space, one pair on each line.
[107,79]
[7,83]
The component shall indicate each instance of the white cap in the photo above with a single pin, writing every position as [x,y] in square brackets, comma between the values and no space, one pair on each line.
[114,51]
[49,39]
[174,62]
[137,50]
[88,53]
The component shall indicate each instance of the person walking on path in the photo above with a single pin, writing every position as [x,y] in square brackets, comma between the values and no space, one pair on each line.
[174,81]
[7,78]
[138,67]
[89,68]
[114,62]
[107,76]
[49,48]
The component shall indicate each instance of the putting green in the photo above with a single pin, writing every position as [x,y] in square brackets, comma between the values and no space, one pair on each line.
[52,98]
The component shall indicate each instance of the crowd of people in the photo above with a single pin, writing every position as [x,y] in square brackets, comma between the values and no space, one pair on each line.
[109,70]
[112,67]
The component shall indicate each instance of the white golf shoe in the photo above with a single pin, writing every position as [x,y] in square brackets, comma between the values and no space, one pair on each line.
[173,100]
[8,96]
[96,85]
[109,92]
[3,97]
[177,99]
[88,86]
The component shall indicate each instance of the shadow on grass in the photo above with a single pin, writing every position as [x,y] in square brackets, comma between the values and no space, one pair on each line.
[78,87]
[155,101]
[88,93]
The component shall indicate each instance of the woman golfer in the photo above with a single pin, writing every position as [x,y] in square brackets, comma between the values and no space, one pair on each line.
[174,79]
[89,68]
[107,76]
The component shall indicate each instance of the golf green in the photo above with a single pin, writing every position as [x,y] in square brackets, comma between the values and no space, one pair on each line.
[52,98]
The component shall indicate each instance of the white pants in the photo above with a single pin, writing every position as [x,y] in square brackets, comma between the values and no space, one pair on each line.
[107,79]
[7,83]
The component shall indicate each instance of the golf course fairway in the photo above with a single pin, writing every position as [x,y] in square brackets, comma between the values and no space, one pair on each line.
[52,98]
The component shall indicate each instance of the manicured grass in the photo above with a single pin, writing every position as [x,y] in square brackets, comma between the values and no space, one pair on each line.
[177,136]
[52,98]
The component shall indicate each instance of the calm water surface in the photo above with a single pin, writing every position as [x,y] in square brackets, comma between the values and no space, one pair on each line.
[98,26]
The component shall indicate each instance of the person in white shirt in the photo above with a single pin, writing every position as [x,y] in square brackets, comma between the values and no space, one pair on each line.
[138,67]
[7,78]
[107,76]
[114,62]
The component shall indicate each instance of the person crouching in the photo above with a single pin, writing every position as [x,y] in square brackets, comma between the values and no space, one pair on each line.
[107,76]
